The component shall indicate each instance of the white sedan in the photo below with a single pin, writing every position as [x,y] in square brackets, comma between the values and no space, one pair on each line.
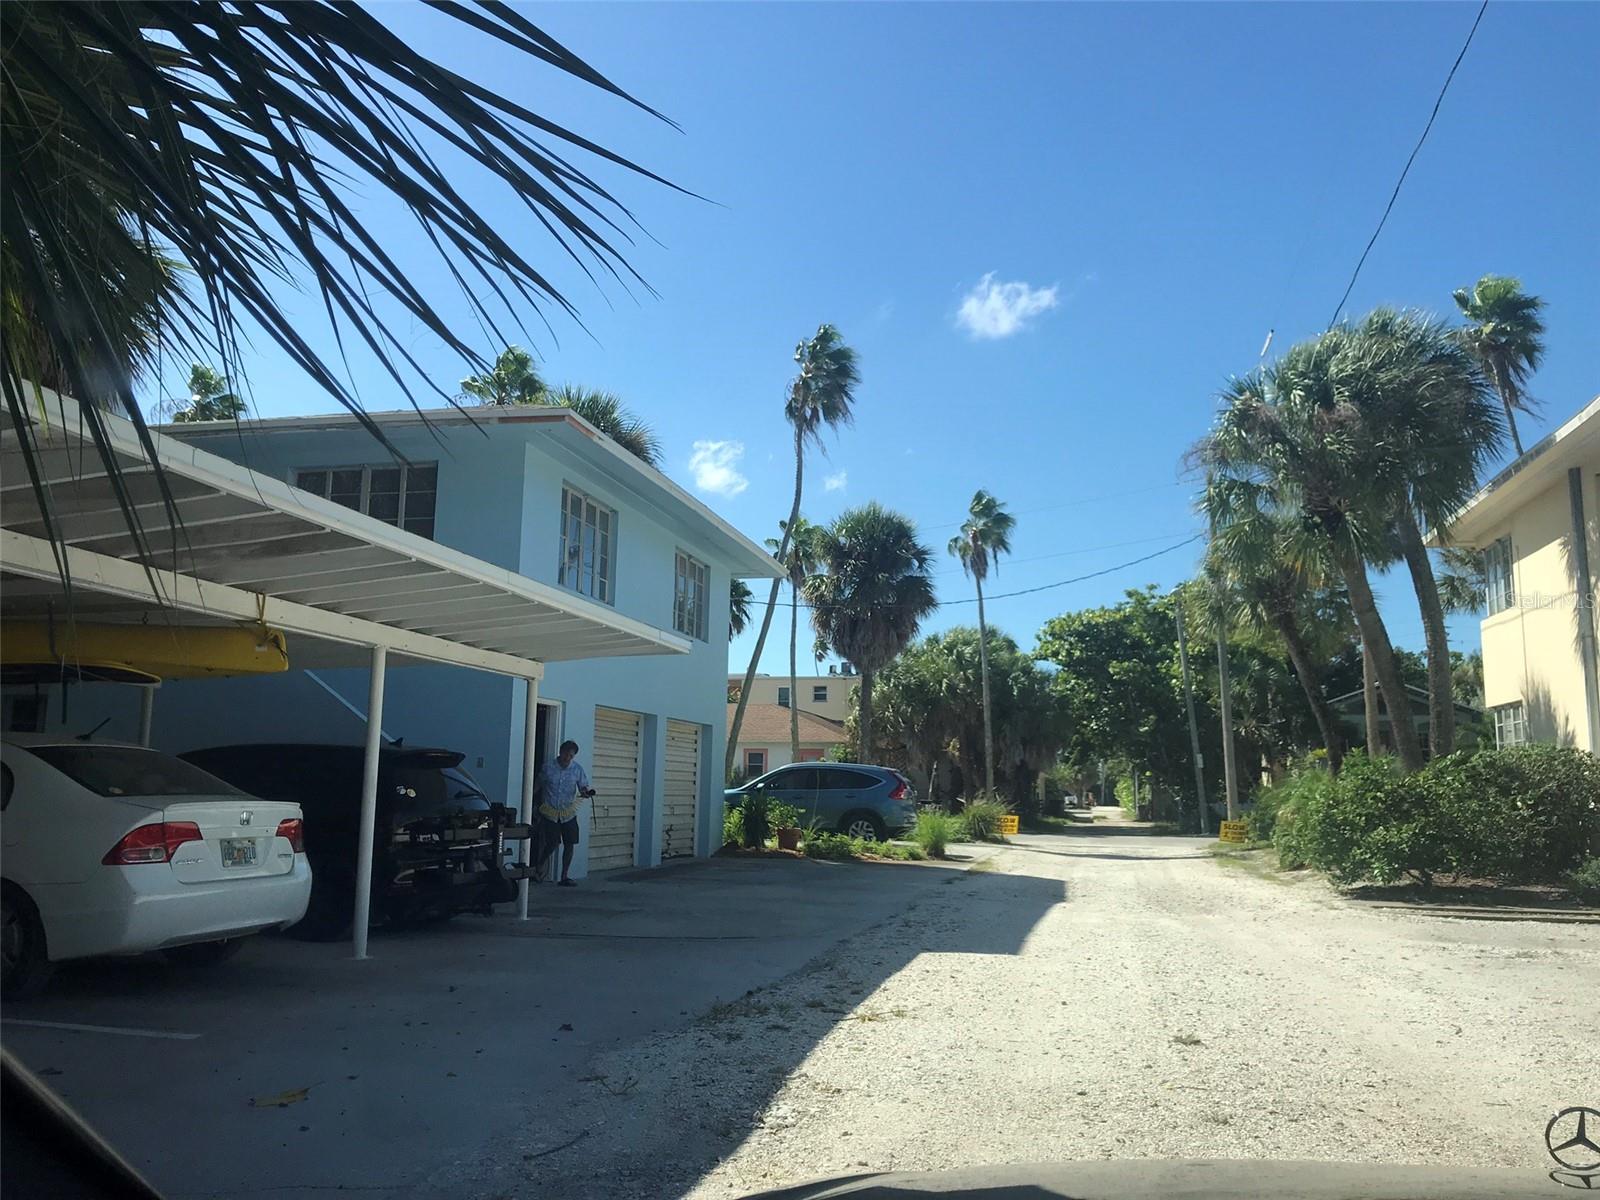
[117,849]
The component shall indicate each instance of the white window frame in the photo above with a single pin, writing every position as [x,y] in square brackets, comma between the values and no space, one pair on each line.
[366,470]
[602,568]
[688,617]
[1499,584]
[1510,725]
[819,693]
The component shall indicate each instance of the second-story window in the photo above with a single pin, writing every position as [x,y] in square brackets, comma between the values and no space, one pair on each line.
[1499,590]
[819,693]
[402,495]
[690,591]
[588,545]
[783,697]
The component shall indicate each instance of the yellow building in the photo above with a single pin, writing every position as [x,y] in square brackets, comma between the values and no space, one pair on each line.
[1537,525]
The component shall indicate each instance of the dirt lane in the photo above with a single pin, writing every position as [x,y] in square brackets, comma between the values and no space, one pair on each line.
[1109,995]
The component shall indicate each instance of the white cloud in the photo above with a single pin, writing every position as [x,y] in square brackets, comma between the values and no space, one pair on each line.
[998,310]
[716,467]
[836,482]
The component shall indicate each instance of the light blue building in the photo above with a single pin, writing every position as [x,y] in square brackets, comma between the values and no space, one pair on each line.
[540,492]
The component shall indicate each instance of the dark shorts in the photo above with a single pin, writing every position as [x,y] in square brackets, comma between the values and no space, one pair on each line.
[565,832]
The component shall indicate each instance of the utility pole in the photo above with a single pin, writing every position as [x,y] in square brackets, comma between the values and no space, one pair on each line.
[1229,771]
[1194,728]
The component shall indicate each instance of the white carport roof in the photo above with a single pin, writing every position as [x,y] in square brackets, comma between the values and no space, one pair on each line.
[250,548]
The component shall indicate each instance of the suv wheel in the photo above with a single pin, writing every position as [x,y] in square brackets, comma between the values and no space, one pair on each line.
[862,825]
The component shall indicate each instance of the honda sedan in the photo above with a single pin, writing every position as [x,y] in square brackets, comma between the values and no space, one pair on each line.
[117,849]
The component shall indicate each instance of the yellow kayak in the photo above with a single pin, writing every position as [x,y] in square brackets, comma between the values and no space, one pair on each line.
[137,653]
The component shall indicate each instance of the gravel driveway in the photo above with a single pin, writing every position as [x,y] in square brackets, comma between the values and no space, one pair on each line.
[1104,994]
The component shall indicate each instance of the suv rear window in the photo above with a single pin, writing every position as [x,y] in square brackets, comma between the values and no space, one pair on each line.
[426,793]
[129,771]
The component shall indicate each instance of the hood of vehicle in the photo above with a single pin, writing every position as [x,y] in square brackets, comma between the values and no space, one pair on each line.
[1188,1179]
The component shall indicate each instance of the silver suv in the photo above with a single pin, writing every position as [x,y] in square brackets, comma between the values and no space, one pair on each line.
[861,801]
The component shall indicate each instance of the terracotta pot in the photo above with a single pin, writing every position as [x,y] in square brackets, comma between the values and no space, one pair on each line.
[789,839]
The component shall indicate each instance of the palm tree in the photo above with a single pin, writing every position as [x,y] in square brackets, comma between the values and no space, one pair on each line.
[739,599]
[1274,577]
[1428,412]
[606,412]
[820,397]
[984,536]
[872,597]
[1463,582]
[513,379]
[1506,335]
[801,564]
[1289,437]
[145,141]
[209,398]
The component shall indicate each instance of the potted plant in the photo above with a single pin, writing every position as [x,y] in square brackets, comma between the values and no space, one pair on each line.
[755,813]
[785,819]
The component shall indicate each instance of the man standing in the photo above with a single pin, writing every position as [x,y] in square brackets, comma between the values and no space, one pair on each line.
[561,784]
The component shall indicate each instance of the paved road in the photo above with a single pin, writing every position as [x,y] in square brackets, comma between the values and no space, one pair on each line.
[1099,994]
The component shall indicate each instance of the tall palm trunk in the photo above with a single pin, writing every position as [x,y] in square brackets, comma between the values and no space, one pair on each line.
[1306,672]
[864,715]
[1441,690]
[1508,396]
[1369,703]
[772,603]
[983,670]
[794,686]
[1376,638]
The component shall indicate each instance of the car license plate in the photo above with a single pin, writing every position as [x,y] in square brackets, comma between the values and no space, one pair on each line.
[238,852]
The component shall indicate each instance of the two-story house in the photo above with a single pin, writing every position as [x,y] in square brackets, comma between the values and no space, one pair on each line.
[540,492]
[1537,525]
[822,701]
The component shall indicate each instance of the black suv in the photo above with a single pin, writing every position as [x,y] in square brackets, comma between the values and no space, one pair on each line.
[437,843]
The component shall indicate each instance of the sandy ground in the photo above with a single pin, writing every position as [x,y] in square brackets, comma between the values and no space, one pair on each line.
[1100,994]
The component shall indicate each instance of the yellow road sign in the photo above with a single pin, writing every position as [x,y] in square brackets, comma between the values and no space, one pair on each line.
[1234,831]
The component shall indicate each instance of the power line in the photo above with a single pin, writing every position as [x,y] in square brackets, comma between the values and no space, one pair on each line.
[1045,587]
[1161,537]
[1350,287]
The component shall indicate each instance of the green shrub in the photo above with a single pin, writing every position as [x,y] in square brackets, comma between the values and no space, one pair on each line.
[837,847]
[979,821]
[933,831]
[1124,792]
[1525,813]
[757,828]
[1295,807]
[1584,881]
[783,816]
[733,827]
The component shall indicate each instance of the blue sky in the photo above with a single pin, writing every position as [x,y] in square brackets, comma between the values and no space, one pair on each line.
[1123,199]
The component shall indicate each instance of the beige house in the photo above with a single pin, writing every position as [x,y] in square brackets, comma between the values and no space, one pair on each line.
[1537,525]
[764,738]
[825,695]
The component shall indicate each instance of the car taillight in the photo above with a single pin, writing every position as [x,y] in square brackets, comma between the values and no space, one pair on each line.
[294,829]
[899,792]
[154,843]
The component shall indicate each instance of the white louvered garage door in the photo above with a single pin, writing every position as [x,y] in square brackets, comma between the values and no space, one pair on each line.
[682,790]
[615,774]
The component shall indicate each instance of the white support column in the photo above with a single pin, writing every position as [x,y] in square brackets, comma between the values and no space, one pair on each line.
[530,747]
[369,800]
[147,712]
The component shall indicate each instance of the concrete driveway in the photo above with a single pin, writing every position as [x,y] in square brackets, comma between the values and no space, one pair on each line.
[444,1045]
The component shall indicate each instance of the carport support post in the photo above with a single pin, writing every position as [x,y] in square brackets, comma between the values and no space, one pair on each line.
[147,712]
[369,799]
[530,739]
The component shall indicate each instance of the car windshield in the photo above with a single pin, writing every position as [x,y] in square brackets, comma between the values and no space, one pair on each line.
[130,771]
[426,792]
